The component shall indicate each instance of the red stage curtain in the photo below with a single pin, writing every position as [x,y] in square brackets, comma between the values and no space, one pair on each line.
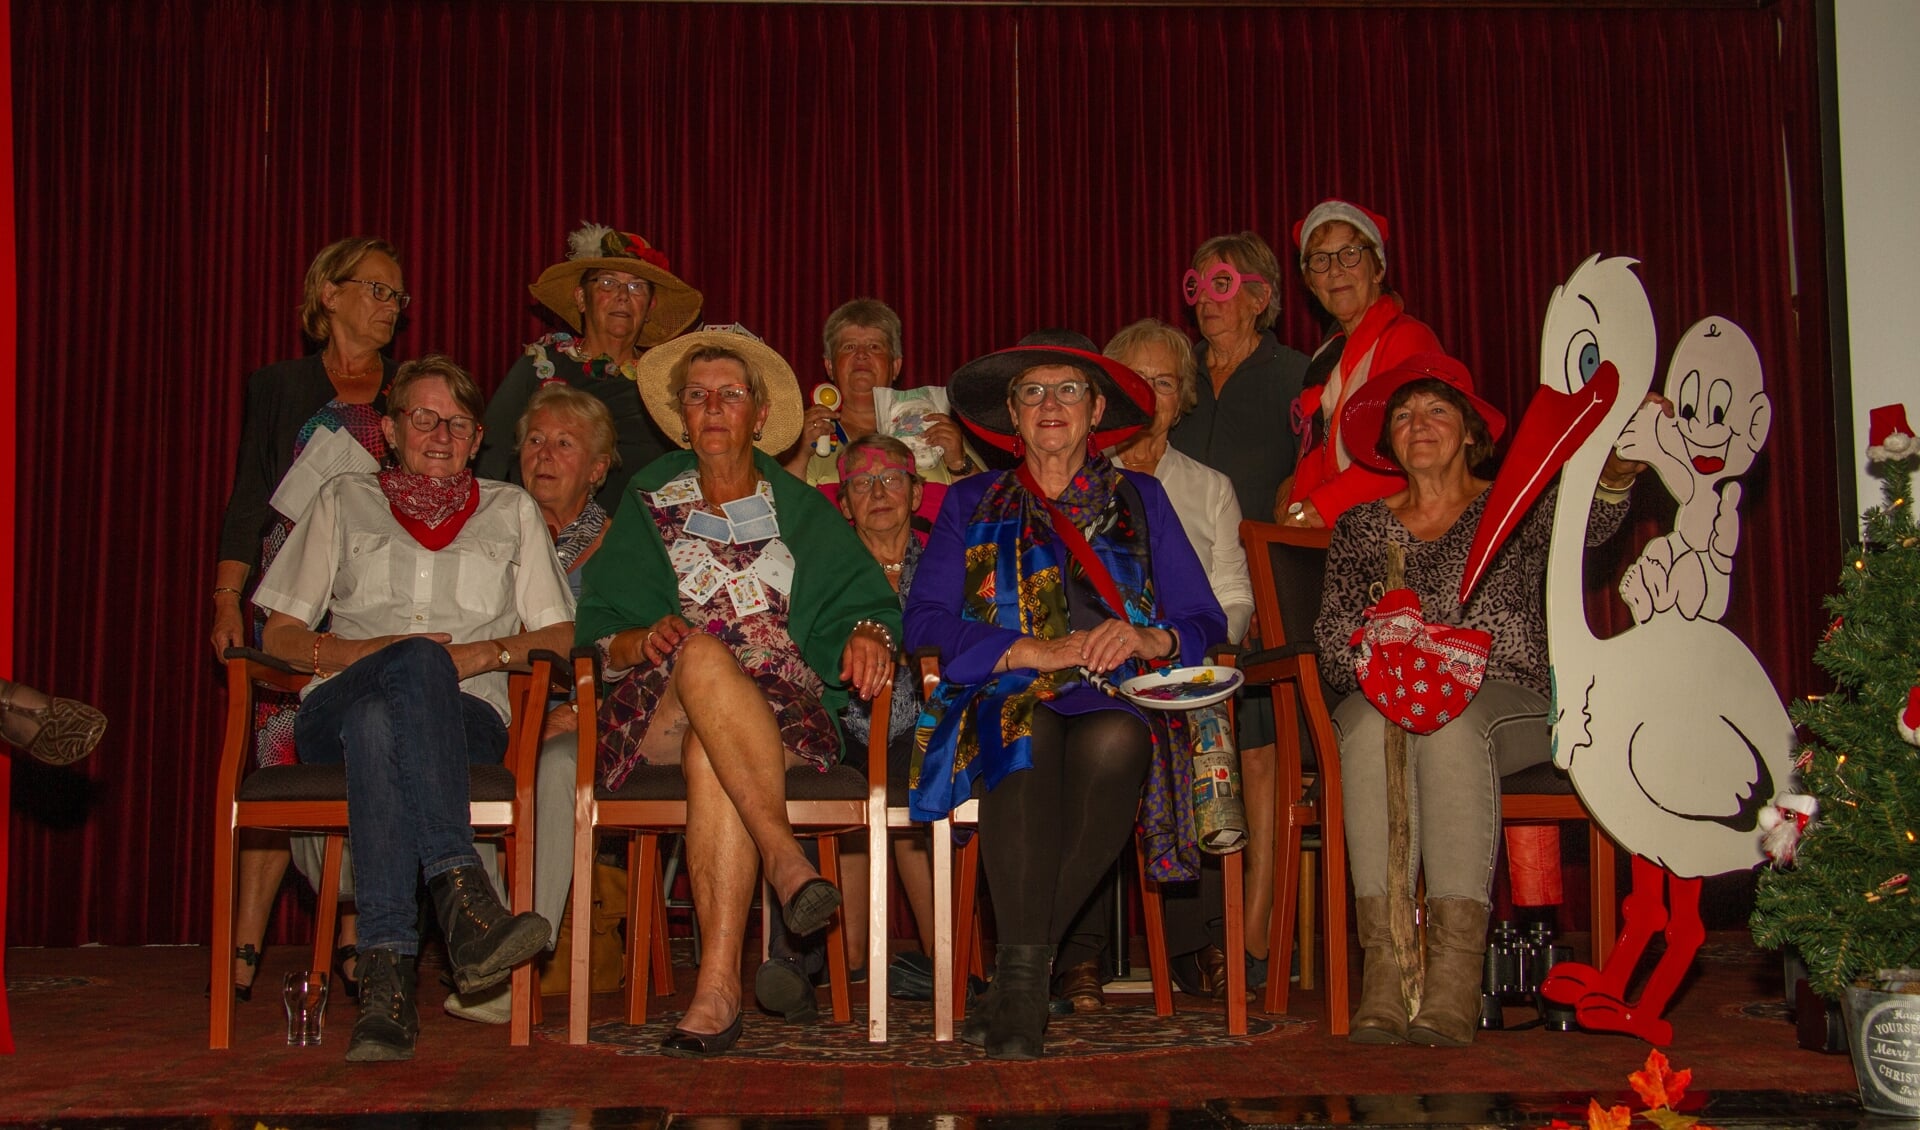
[985,169]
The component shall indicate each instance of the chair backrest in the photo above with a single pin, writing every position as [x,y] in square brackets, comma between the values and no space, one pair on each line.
[1288,568]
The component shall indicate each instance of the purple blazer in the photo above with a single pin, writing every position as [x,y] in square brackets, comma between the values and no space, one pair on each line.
[970,650]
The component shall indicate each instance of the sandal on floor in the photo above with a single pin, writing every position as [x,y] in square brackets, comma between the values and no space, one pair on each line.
[249,956]
[64,731]
[342,955]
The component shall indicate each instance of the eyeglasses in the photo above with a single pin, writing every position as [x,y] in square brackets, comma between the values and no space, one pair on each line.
[1221,284]
[426,420]
[891,481]
[383,293]
[607,284]
[693,396]
[870,348]
[1320,262]
[1066,392]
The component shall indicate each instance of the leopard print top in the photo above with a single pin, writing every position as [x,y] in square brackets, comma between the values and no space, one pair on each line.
[1509,604]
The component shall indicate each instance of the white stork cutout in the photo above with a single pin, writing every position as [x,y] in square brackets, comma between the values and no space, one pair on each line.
[1670,731]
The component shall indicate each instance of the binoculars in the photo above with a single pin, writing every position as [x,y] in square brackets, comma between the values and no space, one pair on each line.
[1516,964]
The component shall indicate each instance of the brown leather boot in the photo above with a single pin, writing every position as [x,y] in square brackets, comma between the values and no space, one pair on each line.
[1382,1015]
[1456,964]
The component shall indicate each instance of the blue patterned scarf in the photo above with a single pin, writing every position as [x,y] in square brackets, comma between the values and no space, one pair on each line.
[1016,572]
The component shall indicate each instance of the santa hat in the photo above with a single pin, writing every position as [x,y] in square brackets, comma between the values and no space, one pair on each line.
[1889,436]
[1368,223]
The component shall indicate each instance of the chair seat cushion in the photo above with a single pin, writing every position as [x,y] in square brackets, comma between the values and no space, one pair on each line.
[329,782]
[1536,780]
[665,782]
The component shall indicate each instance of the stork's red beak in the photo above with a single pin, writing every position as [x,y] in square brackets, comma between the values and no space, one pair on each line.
[1554,427]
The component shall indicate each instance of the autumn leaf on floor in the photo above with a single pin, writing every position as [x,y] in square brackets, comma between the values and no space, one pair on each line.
[1600,1118]
[1658,1086]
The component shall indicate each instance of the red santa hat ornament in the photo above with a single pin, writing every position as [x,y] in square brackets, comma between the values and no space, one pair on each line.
[1889,436]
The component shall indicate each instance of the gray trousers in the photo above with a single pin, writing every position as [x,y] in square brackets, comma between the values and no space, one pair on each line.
[1453,781]
[552,840]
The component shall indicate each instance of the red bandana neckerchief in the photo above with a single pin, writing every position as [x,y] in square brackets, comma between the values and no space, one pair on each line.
[433,510]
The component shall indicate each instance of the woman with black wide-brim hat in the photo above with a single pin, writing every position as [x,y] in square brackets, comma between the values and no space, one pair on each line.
[1034,581]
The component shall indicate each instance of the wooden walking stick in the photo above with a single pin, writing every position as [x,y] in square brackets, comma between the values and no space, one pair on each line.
[1400,923]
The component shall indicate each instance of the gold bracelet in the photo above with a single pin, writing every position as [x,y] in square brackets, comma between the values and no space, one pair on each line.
[886,637]
[316,649]
[218,589]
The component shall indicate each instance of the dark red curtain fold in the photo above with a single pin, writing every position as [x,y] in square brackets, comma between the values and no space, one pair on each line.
[987,170]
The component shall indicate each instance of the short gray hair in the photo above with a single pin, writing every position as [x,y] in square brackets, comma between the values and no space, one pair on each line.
[1250,255]
[867,313]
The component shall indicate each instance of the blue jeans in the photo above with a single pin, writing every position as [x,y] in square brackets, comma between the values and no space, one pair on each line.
[405,732]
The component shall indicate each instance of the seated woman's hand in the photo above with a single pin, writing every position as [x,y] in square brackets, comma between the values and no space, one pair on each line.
[866,664]
[229,628]
[638,647]
[1116,641]
[562,719]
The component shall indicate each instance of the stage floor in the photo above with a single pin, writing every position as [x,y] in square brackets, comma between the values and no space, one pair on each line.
[117,1037]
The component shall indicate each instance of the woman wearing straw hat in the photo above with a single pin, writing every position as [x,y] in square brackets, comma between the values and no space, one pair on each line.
[1034,580]
[617,294]
[734,610]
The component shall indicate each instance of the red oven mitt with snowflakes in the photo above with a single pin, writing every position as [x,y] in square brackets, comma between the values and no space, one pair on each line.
[1420,676]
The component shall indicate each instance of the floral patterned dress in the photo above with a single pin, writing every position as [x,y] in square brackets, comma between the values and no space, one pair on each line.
[736,591]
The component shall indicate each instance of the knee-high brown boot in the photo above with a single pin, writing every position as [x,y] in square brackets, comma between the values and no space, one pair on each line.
[1382,1015]
[1456,960]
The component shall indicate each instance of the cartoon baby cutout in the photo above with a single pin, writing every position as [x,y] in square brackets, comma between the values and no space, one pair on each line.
[1720,419]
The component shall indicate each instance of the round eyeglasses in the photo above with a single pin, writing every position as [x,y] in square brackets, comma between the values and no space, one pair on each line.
[383,293]
[1219,284]
[1031,393]
[1320,262]
[892,481]
[693,396]
[426,420]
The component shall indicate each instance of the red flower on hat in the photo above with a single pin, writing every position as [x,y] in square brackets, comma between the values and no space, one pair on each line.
[638,248]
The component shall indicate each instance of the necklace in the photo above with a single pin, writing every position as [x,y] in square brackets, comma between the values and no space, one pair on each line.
[893,570]
[345,375]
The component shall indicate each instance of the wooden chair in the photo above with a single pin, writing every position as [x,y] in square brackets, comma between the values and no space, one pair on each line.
[956,886]
[1287,565]
[313,798]
[653,801]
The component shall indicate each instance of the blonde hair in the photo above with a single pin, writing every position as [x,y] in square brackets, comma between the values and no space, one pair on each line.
[1153,331]
[583,408]
[867,313]
[677,376]
[335,264]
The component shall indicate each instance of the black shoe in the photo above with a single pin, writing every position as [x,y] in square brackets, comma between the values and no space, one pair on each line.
[484,940]
[348,985]
[682,1044]
[781,986]
[910,977]
[811,907]
[388,1022]
[249,956]
[1017,1029]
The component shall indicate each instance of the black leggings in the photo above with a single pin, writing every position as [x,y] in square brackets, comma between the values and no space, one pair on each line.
[1050,832]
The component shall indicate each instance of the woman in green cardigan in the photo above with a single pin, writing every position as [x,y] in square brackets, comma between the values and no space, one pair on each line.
[734,610]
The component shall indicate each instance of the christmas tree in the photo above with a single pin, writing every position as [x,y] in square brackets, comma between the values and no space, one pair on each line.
[1846,900]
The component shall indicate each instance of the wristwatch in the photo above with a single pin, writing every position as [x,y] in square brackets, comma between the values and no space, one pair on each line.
[504,656]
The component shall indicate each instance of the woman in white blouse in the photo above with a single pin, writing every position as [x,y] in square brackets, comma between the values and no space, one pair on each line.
[436,581]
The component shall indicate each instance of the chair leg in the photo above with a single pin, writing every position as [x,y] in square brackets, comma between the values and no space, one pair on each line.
[326,905]
[944,960]
[1333,847]
[837,936]
[523,986]
[1236,929]
[1286,908]
[966,918]
[643,899]
[1303,941]
[1153,913]
[579,957]
[226,862]
[1601,881]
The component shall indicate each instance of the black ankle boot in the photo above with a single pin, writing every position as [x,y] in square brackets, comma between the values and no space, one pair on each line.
[388,1021]
[1019,1019]
[484,940]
